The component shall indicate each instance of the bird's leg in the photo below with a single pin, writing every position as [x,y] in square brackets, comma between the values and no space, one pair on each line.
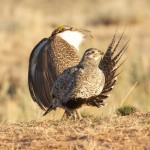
[70,114]
[64,115]
[78,114]
[67,114]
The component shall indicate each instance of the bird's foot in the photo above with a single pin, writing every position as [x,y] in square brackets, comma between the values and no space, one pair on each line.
[74,115]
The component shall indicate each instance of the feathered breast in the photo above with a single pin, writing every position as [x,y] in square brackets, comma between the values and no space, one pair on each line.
[62,54]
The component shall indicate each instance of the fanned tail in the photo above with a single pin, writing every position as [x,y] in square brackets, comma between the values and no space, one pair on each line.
[109,65]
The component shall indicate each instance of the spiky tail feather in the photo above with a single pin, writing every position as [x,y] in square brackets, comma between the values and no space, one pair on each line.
[48,110]
[109,66]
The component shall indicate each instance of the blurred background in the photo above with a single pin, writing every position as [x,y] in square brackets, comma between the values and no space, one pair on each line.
[23,23]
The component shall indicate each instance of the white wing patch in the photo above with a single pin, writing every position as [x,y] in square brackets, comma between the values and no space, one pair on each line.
[35,55]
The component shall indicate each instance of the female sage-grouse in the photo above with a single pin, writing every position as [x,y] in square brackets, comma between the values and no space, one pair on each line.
[79,84]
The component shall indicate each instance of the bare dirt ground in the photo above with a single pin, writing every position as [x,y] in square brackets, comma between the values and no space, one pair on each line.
[118,132]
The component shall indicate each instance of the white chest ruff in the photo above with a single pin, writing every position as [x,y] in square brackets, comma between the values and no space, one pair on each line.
[74,38]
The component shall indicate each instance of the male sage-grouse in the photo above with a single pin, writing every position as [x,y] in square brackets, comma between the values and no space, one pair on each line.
[50,57]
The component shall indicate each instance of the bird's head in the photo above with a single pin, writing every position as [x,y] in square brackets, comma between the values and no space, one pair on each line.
[60,29]
[92,53]
[74,36]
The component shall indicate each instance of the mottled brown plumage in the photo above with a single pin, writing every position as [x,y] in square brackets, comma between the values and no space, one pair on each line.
[64,87]
[47,60]
[79,84]
[109,65]
[51,56]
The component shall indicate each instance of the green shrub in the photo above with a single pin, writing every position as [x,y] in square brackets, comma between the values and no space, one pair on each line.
[126,110]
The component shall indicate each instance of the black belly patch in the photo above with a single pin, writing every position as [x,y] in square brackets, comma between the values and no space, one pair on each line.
[74,103]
